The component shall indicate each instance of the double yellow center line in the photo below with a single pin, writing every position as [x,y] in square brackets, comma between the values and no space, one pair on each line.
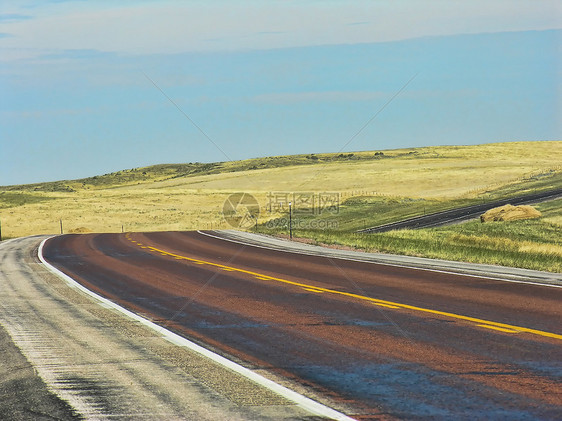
[501,327]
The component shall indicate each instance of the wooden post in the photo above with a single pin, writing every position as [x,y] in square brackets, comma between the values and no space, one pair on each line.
[290,221]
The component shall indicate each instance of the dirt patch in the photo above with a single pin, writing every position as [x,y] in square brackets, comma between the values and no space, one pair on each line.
[510,213]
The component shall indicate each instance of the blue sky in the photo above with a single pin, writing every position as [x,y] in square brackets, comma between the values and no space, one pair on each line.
[266,78]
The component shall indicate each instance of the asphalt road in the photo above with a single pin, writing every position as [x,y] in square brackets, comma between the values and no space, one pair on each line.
[374,341]
[457,215]
[64,356]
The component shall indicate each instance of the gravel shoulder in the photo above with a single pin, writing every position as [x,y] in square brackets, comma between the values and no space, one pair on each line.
[23,394]
[64,356]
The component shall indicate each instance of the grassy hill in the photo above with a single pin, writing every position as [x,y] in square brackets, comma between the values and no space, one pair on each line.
[373,187]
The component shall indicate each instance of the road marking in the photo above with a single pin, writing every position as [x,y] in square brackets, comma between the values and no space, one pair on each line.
[314,290]
[301,400]
[382,263]
[501,329]
[475,320]
[385,305]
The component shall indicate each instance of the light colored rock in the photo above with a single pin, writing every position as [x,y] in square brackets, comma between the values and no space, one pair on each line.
[80,230]
[510,213]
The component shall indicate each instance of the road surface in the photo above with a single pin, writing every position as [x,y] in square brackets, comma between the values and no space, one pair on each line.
[64,356]
[374,341]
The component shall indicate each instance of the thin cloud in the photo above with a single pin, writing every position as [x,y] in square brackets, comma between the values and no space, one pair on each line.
[326,96]
[78,54]
[271,32]
[13,17]
[176,27]
[38,114]
[357,23]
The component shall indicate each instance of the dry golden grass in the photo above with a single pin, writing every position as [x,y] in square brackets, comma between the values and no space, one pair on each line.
[195,202]
[539,248]
[556,220]
[432,172]
[114,210]
[502,243]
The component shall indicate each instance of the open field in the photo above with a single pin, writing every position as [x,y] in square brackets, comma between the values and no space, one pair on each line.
[532,244]
[360,212]
[374,188]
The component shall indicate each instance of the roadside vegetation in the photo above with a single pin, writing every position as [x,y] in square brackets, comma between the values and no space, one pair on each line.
[532,244]
[373,188]
[360,212]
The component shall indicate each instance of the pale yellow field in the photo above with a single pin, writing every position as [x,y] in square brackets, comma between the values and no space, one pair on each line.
[434,172]
[114,210]
[196,202]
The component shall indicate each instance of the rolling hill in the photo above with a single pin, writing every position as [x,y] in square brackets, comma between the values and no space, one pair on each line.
[372,187]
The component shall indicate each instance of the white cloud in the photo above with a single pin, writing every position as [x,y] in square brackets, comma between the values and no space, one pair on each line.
[173,26]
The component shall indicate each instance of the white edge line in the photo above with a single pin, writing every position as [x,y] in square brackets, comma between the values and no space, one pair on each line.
[304,252]
[302,401]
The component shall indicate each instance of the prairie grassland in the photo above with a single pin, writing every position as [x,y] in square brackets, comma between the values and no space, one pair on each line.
[114,210]
[532,244]
[191,196]
[433,172]
[359,212]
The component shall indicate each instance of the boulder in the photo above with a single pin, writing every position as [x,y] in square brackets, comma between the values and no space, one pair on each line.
[510,213]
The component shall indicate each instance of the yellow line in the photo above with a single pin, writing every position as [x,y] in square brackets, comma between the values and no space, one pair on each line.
[385,305]
[313,290]
[390,304]
[501,329]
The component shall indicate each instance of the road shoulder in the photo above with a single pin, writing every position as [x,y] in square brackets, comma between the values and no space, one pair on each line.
[23,394]
[462,268]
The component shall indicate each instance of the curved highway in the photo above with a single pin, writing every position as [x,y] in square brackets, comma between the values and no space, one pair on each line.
[377,341]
